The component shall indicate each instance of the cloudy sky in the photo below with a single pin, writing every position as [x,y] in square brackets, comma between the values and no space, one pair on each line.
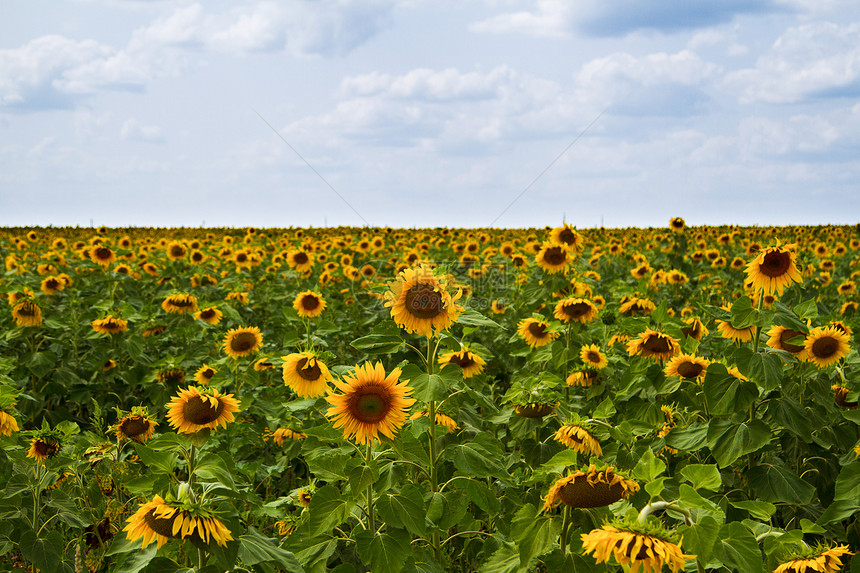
[475,113]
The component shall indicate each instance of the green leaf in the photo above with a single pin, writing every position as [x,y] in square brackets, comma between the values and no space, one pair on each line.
[136,560]
[46,553]
[848,482]
[649,467]
[378,343]
[404,509]
[604,410]
[255,548]
[737,548]
[479,458]
[163,461]
[328,510]
[446,509]
[384,551]
[806,309]
[725,394]
[758,509]
[216,467]
[472,317]
[703,476]
[777,484]
[787,318]
[535,534]
[765,369]
[743,313]
[699,538]
[837,511]
[430,387]
[361,477]
[481,495]
[506,559]
[689,439]
[730,441]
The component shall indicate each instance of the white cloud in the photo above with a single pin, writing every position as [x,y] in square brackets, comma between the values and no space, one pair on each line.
[133,130]
[811,60]
[550,18]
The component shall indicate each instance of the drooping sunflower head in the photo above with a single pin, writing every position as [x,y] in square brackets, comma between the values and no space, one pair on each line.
[45,445]
[309,304]
[536,332]
[694,329]
[636,306]
[280,435]
[583,378]
[306,374]
[370,403]
[469,361]
[8,423]
[579,438]
[590,488]
[27,313]
[194,409]
[817,558]
[643,547]
[420,301]
[159,521]
[773,269]
[137,426]
[826,346]
[243,341]
[727,330]
[110,325]
[653,345]
[441,420]
[180,303]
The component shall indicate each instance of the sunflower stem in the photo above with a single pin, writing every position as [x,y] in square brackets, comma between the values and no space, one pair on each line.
[758,321]
[565,525]
[370,521]
[667,505]
[434,476]
[37,489]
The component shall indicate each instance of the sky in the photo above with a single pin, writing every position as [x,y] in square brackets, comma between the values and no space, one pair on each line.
[425,113]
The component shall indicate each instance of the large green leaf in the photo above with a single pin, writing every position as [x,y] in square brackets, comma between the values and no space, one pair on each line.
[44,552]
[743,313]
[765,369]
[506,559]
[479,458]
[699,538]
[430,387]
[758,509]
[848,482]
[649,467]
[726,395]
[535,534]
[404,509]
[257,548]
[737,548]
[161,461]
[378,343]
[779,485]
[730,441]
[328,510]
[702,476]
[384,551]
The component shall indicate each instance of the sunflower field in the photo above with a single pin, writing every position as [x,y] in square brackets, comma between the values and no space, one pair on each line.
[425,401]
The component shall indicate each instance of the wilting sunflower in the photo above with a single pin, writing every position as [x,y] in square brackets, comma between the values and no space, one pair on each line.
[307,375]
[157,520]
[240,342]
[579,439]
[653,345]
[309,304]
[583,378]
[534,410]
[8,423]
[826,346]
[687,366]
[110,325]
[593,357]
[369,403]
[636,306]
[535,332]
[694,329]
[137,426]
[779,337]
[52,285]
[554,258]
[209,315]
[727,330]
[470,362]
[840,393]
[773,269]
[27,313]
[44,446]
[575,309]
[192,409]
[281,434]
[204,374]
[591,488]
[441,420]
[180,303]
[645,548]
[420,301]
[819,558]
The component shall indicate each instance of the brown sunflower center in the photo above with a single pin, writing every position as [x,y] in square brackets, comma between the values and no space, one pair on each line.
[657,344]
[243,342]
[134,426]
[207,374]
[52,283]
[580,493]
[423,301]
[592,357]
[200,411]
[537,329]
[775,264]
[241,258]
[576,309]
[567,236]
[181,301]
[690,369]
[300,258]
[45,449]
[27,308]
[310,373]
[207,314]
[463,361]
[310,302]
[787,335]
[102,253]
[177,251]
[825,347]
[161,525]
[370,404]
[555,256]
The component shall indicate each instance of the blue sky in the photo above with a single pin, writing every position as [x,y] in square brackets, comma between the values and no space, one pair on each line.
[417,113]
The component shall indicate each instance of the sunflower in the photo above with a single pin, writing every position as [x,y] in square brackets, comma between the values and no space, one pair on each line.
[579,439]
[171,375]
[534,410]
[583,378]
[369,403]
[441,420]
[43,448]
[27,313]
[644,548]
[242,341]
[102,255]
[566,235]
[839,395]
[204,374]
[176,251]
[727,330]
[8,423]
[500,306]
[192,410]
[137,426]
[209,315]
[281,434]
[309,304]
[159,521]
[300,260]
[694,329]
[553,257]
[653,345]
[779,337]
[52,285]
[575,309]
[180,303]
[773,269]
[593,357]
[307,375]
[110,325]
[591,488]
[470,362]
[535,332]
[420,301]
[687,366]
[677,224]
[636,306]
[826,346]
[824,560]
